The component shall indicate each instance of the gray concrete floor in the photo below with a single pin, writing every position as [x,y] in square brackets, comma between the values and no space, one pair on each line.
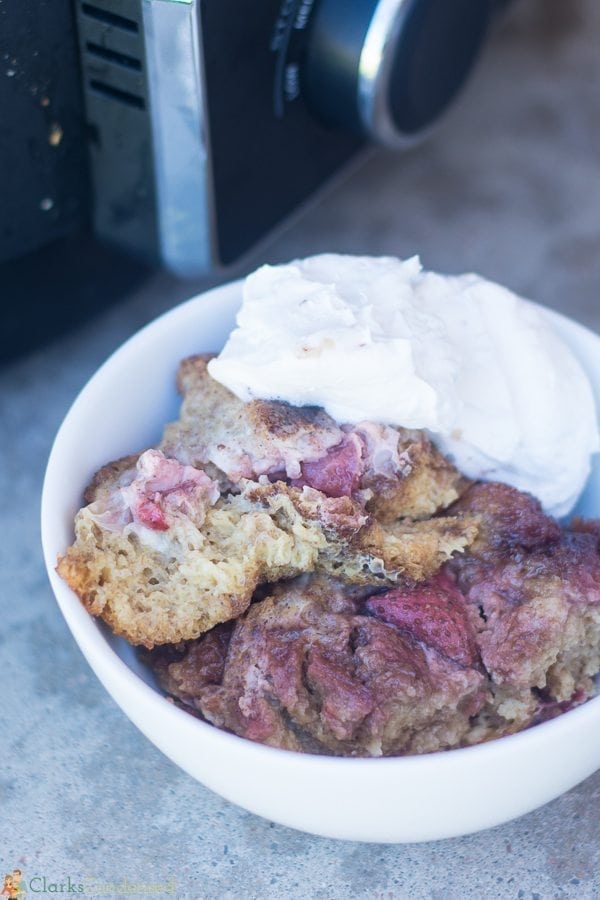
[509,187]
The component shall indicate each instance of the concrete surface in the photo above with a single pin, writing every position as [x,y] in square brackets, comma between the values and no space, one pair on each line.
[510,187]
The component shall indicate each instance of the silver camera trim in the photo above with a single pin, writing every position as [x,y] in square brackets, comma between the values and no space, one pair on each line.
[149,149]
[374,71]
[179,128]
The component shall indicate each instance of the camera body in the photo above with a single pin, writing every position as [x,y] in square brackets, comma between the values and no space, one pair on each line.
[211,120]
[179,133]
[200,140]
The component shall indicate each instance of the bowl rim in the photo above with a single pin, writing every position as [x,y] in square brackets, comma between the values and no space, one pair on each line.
[112,670]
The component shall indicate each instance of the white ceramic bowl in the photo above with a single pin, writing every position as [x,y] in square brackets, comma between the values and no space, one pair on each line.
[123,409]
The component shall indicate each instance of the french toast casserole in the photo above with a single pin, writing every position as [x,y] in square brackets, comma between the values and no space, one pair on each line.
[337,589]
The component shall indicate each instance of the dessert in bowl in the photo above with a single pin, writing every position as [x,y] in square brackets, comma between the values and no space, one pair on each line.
[124,408]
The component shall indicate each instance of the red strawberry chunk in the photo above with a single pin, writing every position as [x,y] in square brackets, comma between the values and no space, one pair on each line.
[338,473]
[434,613]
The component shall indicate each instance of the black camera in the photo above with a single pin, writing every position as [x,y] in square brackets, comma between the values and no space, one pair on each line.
[184,131]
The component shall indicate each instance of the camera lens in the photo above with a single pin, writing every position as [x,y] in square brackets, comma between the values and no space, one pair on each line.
[388,69]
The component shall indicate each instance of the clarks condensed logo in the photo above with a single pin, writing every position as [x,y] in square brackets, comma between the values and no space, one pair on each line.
[16,887]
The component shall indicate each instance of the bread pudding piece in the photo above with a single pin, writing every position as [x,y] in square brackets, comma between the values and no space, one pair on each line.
[394,473]
[533,590]
[318,667]
[243,440]
[506,635]
[162,556]
[372,554]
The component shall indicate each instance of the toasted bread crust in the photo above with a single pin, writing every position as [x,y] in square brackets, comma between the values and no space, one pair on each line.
[108,476]
[430,484]
[162,588]
[183,578]
[243,440]
[247,440]
[370,553]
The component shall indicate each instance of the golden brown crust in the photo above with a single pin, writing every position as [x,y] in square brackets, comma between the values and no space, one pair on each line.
[430,483]
[248,439]
[409,550]
[155,588]
[360,550]
[108,476]
[281,419]
[242,439]
[176,587]
[272,417]
[191,369]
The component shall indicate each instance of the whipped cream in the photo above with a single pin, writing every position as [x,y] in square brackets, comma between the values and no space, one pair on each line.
[379,339]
